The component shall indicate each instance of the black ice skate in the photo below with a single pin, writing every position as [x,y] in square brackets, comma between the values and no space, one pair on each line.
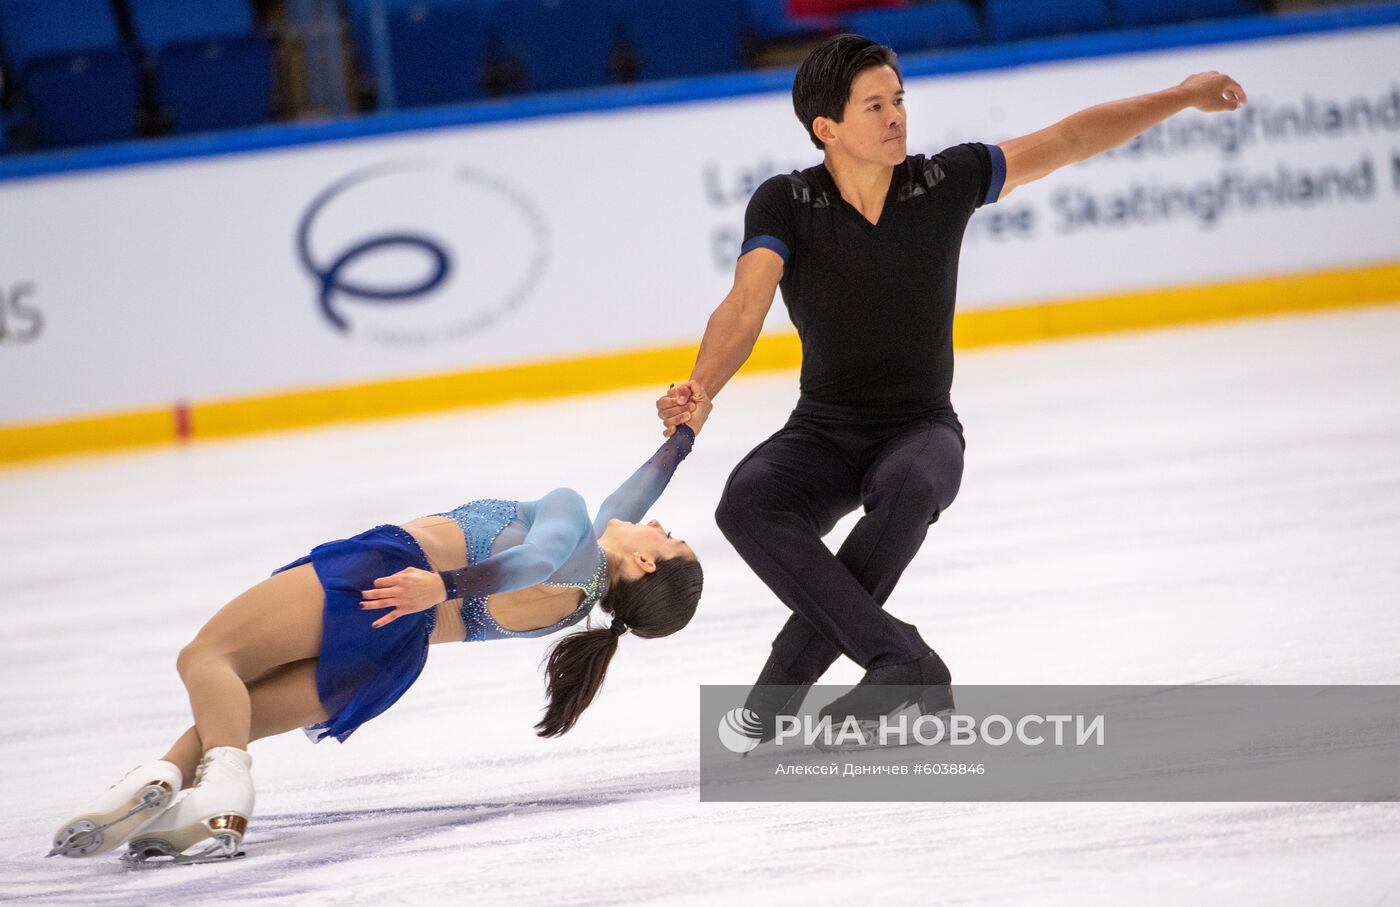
[776,692]
[885,692]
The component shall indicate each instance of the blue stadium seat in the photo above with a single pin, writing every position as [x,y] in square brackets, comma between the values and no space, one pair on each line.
[361,14]
[47,28]
[213,68]
[556,44]
[438,52]
[675,38]
[221,83]
[1140,13]
[1012,20]
[75,82]
[926,26]
[80,99]
[161,23]
[768,20]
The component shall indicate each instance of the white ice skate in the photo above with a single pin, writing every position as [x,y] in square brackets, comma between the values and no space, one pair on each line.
[123,811]
[215,812]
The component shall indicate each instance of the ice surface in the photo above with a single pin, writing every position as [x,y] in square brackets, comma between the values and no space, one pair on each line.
[1208,505]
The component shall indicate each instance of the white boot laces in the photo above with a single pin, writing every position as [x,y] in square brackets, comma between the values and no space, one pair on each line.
[203,764]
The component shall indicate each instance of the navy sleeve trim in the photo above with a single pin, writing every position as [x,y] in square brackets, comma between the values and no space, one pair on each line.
[766,242]
[998,180]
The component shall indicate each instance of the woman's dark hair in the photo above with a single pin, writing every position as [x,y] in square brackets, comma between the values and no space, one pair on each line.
[823,82]
[651,607]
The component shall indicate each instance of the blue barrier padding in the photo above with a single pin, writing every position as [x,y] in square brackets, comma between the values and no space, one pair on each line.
[707,88]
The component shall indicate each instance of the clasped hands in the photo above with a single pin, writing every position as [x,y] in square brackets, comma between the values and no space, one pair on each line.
[412,590]
[685,403]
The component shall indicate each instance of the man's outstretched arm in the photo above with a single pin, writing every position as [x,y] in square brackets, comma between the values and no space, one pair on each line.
[729,338]
[1104,126]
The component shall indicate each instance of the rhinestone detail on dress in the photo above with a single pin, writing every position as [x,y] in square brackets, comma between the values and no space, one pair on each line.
[482,522]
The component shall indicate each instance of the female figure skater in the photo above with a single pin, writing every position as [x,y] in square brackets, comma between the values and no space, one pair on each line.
[313,647]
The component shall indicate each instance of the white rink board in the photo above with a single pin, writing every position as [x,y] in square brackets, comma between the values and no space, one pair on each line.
[141,286]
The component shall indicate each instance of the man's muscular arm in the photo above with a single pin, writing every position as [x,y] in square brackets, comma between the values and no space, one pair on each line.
[1104,126]
[729,338]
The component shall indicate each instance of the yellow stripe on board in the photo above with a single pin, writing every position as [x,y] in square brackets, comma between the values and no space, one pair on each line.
[402,396]
[89,434]
[1179,305]
[589,374]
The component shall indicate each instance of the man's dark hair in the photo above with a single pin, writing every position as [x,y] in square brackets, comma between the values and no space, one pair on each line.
[823,82]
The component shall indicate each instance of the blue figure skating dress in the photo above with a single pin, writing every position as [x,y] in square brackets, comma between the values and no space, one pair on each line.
[361,671]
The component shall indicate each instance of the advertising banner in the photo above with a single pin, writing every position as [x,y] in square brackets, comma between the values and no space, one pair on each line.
[481,246]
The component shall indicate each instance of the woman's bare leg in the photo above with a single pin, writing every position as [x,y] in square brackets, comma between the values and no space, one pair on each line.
[186,753]
[284,700]
[275,623]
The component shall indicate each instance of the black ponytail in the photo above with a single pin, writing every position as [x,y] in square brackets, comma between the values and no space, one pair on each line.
[651,607]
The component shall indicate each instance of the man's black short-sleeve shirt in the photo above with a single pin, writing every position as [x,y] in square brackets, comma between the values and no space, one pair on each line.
[873,304]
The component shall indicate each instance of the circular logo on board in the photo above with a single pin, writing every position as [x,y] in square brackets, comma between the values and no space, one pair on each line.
[410,254]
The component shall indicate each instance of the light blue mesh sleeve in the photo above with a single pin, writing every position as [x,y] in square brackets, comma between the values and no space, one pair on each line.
[561,523]
[634,498]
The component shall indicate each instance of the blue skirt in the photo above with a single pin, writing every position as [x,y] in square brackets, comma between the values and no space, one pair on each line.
[361,671]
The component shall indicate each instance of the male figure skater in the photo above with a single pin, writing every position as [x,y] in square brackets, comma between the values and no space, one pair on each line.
[865,247]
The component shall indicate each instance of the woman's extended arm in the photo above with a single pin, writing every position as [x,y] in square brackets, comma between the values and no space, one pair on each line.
[561,522]
[634,497]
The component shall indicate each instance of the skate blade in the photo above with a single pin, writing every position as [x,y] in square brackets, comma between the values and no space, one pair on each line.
[764,748]
[154,853]
[870,740]
[870,734]
[84,837]
[138,862]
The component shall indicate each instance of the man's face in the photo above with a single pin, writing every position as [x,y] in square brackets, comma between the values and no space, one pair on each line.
[872,127]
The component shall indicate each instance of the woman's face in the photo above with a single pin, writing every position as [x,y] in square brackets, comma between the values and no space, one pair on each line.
[650,539]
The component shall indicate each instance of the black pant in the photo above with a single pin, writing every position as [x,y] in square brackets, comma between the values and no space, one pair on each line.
[790,491]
